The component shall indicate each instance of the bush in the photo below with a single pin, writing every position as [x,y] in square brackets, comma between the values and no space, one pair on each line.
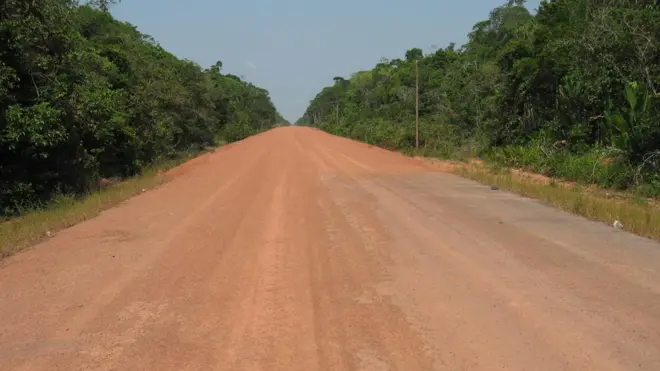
[84,96]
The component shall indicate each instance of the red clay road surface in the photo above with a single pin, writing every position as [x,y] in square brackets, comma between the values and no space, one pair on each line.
[297,250]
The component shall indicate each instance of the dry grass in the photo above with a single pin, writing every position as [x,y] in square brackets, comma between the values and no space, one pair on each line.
[65,211]
[638,215]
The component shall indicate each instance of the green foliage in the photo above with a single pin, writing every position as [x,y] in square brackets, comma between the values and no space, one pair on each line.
[572,91]
[85,97]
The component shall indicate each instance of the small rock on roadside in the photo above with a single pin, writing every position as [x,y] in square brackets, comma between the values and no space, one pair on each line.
[494,188]
[617,224]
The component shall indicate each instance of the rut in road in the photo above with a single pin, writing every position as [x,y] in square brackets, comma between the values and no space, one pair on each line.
[298,250]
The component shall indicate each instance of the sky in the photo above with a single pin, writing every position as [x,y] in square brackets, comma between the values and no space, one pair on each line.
[293,48]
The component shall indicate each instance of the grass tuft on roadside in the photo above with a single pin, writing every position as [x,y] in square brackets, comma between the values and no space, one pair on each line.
[637,214]
[34,226]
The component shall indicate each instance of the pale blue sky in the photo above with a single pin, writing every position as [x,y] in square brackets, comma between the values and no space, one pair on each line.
[294,48]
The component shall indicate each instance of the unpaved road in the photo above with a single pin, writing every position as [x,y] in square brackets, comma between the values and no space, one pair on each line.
[297,250]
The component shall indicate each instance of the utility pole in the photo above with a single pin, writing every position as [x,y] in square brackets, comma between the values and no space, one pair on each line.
[417,103]
[337,112]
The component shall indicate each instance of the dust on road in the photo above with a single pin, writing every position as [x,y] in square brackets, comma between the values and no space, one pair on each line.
[297,250]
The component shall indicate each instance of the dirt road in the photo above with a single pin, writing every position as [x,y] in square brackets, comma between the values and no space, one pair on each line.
[297,250]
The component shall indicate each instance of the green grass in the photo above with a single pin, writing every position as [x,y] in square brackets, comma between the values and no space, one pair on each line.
[64,211]
[638,215]
[605,167]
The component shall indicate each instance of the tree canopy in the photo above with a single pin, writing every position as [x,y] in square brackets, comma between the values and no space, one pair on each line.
[571,91]
[84,97]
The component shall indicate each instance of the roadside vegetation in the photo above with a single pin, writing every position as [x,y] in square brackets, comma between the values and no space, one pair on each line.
[63,211]
[87,101]
[571,91]
[635,213]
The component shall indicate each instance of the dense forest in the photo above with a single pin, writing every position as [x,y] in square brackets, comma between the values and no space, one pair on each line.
[571,91]
[85,97]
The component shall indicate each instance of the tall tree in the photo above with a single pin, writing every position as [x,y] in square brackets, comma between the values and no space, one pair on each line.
[577,83]
[84,97]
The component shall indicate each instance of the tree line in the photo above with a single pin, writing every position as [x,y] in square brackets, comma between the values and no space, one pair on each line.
[571,91]
[84,96]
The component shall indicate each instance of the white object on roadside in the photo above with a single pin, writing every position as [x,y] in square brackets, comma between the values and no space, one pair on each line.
[143,190]
[617,224]
[48,234]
